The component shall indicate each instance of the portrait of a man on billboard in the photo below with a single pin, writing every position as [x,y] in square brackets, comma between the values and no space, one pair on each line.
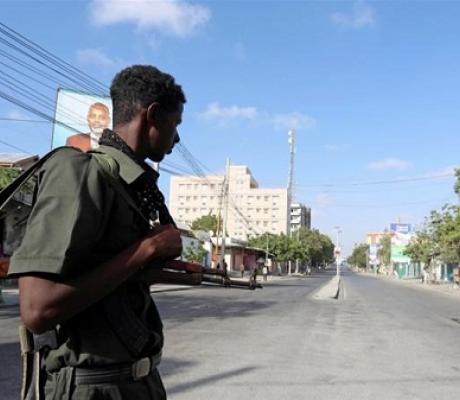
[80,119]
[98,119]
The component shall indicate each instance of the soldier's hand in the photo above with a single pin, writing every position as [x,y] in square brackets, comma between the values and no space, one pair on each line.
[164,243]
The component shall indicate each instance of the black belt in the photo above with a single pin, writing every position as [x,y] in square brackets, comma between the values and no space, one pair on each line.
[117,373]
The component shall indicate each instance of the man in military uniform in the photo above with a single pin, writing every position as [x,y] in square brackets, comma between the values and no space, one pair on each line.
[84,263]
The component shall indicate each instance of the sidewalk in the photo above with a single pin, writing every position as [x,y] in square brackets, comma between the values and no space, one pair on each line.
[442,287]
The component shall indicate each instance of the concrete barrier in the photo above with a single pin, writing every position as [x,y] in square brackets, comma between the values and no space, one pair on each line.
[330,290]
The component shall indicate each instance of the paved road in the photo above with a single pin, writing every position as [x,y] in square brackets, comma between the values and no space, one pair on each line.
[380,340]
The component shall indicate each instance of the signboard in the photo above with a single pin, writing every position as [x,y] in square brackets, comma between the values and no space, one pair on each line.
[83,117]
[373,248]
[400,238]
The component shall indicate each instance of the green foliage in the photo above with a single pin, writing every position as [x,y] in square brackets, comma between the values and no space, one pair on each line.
[195,253]
[8,175]
[207,223]
[438,238]
[384,251]
[421,247]
[457,182]
[308,246]
[359,256]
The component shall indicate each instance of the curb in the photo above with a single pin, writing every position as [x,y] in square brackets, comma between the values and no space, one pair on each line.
[330,290]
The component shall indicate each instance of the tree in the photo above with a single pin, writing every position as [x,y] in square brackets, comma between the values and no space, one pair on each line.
[359,256]
[457,182]
[207,223]
[8,175]
[421,248]
[384,251]
[194,253]
[305,245]
[445,227]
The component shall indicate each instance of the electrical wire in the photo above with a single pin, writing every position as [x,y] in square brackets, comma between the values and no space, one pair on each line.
[70,67]
[14,147]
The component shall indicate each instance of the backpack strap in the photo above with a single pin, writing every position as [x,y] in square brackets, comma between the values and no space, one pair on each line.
[9,191]
[111,170]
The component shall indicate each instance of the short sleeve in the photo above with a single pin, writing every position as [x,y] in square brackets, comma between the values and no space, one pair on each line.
[67,219]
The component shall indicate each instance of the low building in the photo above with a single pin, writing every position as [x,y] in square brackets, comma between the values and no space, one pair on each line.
[237,253]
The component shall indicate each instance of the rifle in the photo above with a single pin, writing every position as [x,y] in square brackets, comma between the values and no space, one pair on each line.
[192,274]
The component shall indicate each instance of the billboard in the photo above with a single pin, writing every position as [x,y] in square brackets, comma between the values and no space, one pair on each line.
[373,250]
[400,238]
[84,115]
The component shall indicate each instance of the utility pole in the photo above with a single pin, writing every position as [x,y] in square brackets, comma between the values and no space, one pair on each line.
[290,186]
[224,222]
[266,250]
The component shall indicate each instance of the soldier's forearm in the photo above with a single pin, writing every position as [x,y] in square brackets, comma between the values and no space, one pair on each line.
[45,302]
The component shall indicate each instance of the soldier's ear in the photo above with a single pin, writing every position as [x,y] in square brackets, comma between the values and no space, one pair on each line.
[153,112]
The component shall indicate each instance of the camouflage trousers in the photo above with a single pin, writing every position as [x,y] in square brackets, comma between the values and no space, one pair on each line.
[61,386]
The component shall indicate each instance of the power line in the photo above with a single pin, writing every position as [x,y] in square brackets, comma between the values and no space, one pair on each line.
[14,147]
[71,73]
[58,59]
[390,181]
[23,120]
[33,110]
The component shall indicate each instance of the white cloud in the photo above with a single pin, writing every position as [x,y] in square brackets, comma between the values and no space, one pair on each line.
[293,120]
[332,147]
[174,17]
[323,200]
[362,15]
[449,170]
[239,51]
[389,163]
[223,115]
[214,112]
[17,114]
[96,57]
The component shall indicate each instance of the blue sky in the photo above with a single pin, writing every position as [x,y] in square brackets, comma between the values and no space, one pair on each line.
[372,89]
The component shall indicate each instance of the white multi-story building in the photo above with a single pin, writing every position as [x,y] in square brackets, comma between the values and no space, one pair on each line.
[251,210]
[300,216]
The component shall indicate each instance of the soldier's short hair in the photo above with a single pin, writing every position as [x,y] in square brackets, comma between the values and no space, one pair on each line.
[138,86]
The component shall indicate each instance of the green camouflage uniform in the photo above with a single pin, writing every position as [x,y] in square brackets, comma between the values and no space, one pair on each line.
[78,222]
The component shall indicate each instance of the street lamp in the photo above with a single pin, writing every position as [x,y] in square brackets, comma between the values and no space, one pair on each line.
[337,248]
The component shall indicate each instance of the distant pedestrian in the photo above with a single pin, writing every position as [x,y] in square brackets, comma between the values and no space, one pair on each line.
[242,270]
[265,272]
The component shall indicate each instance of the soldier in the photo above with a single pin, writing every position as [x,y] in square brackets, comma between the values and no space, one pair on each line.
[84,263]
